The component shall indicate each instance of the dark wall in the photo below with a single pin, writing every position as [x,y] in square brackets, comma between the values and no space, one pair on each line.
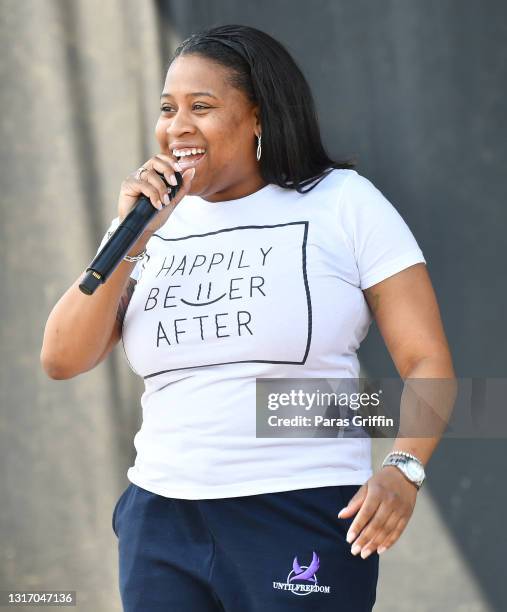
[416,89]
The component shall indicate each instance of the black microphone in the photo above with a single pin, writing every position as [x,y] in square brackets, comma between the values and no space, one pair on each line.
[125,235]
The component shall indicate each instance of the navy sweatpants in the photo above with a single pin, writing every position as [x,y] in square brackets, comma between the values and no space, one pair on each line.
[268,552]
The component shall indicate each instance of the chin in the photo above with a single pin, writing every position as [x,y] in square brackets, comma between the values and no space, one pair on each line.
[194,189]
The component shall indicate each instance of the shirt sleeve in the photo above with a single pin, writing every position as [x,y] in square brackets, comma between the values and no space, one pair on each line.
[114,224]
[380,239]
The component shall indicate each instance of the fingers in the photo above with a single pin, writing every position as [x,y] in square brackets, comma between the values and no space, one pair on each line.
[151,177]
[355,503]
[385,502]
[133,187]
[377,530]
[166,165]
[380,521]
[379,517]
[187,176]
[150,183]
[393,535]
[366,512]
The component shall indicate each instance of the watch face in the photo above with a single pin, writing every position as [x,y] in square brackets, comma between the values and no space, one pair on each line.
[414,470]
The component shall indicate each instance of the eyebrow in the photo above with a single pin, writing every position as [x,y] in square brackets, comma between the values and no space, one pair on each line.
[196,93]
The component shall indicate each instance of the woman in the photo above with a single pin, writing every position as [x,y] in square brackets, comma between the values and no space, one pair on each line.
[270,262]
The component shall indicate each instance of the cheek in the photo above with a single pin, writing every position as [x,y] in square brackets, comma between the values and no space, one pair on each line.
[223,131]
[160,131]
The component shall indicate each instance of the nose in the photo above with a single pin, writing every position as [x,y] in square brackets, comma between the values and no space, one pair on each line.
[180,124]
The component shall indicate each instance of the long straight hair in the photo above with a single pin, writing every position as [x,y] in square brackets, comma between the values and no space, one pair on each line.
[293,156]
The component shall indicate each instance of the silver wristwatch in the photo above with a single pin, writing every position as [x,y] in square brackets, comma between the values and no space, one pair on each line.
[409,465]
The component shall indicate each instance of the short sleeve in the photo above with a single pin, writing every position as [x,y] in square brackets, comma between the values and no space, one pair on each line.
[114,224]
[381,240]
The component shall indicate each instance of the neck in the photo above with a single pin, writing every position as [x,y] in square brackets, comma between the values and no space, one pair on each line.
[237,191]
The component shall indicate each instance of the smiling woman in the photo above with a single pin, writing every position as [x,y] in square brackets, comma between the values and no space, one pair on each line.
[220,121]
[262,266]
[215,100]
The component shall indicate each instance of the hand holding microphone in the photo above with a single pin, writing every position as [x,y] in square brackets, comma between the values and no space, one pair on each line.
[147,199]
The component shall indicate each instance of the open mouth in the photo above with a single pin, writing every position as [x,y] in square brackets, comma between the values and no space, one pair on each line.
[190,161]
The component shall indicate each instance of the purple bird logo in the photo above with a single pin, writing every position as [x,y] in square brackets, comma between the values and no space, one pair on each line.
[305,572]
[299,577]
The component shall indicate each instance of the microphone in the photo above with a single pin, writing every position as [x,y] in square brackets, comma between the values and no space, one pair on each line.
[125,235]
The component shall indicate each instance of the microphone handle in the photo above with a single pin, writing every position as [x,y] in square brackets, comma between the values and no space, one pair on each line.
[120,242]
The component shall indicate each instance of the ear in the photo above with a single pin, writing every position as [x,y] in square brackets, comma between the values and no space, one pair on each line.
[257,120]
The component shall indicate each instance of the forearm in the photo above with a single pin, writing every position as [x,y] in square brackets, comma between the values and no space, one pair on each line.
[426,406]
[79,326]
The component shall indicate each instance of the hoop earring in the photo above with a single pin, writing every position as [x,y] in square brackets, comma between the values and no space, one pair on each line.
[259,149]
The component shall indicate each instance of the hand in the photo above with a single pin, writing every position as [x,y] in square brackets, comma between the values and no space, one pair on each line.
[151,185]
[385,504]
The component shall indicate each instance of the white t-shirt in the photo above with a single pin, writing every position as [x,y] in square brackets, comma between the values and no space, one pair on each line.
[268,286]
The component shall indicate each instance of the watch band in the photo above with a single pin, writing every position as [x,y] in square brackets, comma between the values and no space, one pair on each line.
[404,454]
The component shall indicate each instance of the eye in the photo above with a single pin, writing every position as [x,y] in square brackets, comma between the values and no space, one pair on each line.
[168,109]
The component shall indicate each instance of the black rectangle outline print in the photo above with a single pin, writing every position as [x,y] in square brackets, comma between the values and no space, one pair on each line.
[307,290]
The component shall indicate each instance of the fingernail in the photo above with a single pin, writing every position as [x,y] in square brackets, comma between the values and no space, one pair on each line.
[381,550]
[350,536]
[192,173]
[159,205]
[355,549]
[177,167]
[341,511]
[365,553]
[166,199]
[172,180]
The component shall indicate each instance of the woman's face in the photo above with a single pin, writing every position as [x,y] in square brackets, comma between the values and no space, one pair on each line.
[224,123]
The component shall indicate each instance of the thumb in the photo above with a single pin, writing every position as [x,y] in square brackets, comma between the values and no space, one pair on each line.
[187,177]
[354,504]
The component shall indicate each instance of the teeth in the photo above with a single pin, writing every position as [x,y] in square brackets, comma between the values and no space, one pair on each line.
[183,152]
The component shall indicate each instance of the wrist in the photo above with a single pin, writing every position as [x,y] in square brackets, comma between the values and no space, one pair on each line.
[410,466]
[400,475]
[139,246]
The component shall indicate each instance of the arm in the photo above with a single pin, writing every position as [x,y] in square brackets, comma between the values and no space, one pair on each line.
[407,314]
[408,317]
[120,315]
[82,329]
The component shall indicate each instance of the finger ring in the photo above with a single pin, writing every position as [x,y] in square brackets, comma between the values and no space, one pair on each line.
[139,172]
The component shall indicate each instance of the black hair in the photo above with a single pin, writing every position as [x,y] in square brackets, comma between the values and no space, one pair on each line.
[292,152]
